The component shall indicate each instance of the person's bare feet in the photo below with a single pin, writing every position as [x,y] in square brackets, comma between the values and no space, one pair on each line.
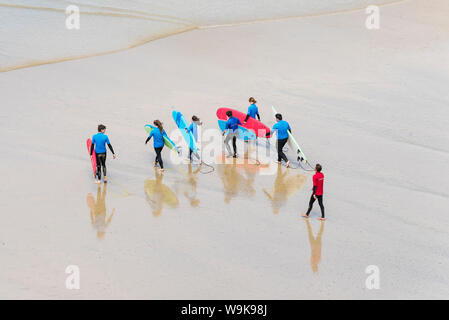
[305,216]
[321,219]
[97,181]
[162,170]
[288,164]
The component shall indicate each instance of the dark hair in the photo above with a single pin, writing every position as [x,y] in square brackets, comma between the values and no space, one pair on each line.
[158,124]
[195,118]
[278,116]
[101,127]
[252,100]
[318,167]
[229,113]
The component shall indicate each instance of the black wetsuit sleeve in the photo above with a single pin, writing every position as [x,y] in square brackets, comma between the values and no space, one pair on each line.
[110,148]
[314,190]
[258,117]
[247,116]
[92,148]
[148,139]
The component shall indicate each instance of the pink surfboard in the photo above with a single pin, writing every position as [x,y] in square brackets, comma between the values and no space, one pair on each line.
[252,124]
[93,159]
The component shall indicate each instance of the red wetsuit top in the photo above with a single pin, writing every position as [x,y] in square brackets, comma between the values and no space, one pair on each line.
[318,180]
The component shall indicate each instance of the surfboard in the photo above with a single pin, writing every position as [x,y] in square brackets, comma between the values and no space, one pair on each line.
[299,153]
[188,136]
[93,158]
[167,141]
[252,124]
[244,134]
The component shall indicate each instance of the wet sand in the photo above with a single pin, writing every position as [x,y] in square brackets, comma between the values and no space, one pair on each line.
[370,106]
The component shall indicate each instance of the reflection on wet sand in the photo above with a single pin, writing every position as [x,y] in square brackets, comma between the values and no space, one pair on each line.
[190,192]
[284,187]
[315,245]
[158,194]
[98,211]
[233,181]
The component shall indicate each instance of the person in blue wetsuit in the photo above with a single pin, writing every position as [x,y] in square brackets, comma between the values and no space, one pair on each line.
[158,142]
[232,126]
[193,128]
[253,111]
[99,142]
[282,129]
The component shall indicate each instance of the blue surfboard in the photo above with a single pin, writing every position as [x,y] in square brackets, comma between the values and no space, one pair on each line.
[244,134]
[183,125]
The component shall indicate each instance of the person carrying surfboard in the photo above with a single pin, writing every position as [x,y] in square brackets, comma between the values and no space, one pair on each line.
[158,142]
[99,142]
[253,111]
[318,181]
[232,126]
[193,128]
[282,128]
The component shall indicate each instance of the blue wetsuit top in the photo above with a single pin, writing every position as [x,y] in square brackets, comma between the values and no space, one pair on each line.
[158,141]
[100,140]
[282,128]
[233,124]
[253,111]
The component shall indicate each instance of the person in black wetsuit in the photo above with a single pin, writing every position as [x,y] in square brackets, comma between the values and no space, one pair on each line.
[99,142]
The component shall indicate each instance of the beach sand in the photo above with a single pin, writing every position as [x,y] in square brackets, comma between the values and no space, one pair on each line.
[370,105]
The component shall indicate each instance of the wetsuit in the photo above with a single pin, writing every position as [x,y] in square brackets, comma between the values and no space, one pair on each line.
[232,126]
[99,142]
[253,111]
[318,181]
[282,127]
[193,128]
[158,143]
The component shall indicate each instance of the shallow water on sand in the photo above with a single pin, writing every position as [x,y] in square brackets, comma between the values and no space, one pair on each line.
[34,32]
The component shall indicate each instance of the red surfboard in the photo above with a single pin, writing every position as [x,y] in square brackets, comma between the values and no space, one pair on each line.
[252,124]
[93,159]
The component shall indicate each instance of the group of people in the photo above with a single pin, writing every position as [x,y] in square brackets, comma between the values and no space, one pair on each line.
[281,127]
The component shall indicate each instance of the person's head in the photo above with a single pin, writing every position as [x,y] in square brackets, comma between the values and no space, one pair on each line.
[278,117]
[318,167]
[101,128]
[252,100]
[195,119]
[229,113]
[158,124]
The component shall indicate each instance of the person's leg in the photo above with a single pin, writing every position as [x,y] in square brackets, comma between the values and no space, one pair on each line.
[103,163]
[312,200]
[98,166]
[159,157]
[190,154]
[234,144]
[281,154]
[226,142]
[320,202]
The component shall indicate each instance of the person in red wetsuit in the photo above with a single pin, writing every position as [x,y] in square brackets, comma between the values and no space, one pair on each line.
[318,181]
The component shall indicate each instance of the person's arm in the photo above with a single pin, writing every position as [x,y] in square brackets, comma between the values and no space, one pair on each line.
[110,147]
[315,182]
[272,130]
[238,121]
[258,116]
[247,117]
[289,129]
[149,137]
[92,148]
